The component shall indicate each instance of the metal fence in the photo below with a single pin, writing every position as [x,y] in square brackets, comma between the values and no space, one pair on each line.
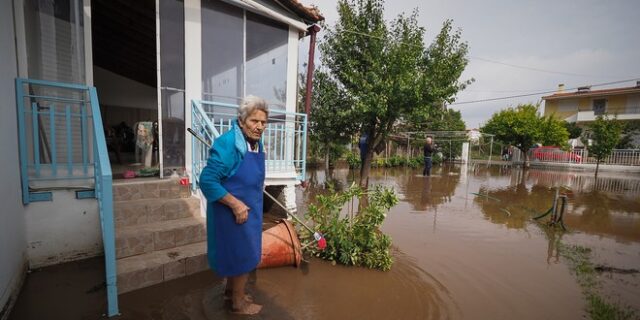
[621,157]
[284,138]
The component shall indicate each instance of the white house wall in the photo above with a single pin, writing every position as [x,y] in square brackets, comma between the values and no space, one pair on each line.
[12,222]
[63,230]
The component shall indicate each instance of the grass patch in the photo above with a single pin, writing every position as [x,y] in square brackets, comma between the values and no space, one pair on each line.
[598,307]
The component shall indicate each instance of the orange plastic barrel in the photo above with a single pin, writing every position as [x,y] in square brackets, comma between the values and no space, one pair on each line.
[280,246]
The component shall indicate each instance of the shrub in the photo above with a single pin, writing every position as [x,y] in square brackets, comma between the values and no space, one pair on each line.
[352,238]
[353,160]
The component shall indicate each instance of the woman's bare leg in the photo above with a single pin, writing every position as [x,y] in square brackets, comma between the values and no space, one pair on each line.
[238,296]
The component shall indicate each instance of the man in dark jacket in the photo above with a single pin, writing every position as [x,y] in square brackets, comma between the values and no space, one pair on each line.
[429,149]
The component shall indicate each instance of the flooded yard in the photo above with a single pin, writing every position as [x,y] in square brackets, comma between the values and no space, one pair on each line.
[465,246]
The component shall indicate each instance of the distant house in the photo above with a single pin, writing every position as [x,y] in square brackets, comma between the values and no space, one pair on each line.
[474,135]
[584,105]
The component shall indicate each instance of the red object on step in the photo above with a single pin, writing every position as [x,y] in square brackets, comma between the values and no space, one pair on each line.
[322,243]
[184,181]
[129,174]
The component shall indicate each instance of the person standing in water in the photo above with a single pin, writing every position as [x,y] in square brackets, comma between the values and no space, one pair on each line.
[428,152]
[232,182]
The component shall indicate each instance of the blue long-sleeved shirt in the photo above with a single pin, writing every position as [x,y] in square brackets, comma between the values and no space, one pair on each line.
[224,160]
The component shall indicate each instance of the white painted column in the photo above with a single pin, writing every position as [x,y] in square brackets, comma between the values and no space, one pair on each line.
[88,43]
[291,96]
[21,38]
[465,152]
[288,197]
[192,68]
[292,69]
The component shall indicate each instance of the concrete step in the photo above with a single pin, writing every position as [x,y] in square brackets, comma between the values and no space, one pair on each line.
[137,212]
[160,235]
[149,188]
[148,269]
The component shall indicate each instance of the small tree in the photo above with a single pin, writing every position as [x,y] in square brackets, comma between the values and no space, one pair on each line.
[573,129]
[330,126]
[523,126]
[386,71]
[604,135]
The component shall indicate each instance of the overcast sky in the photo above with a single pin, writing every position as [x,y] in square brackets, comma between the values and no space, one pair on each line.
[583,42]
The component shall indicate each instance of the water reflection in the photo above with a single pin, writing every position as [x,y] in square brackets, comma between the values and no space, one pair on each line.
[483,214]
[425,193]
[607,206]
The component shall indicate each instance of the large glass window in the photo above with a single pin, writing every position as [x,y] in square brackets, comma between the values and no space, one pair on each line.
[242,53]
[222,52]
[54,32]
[267,59]
[54,37]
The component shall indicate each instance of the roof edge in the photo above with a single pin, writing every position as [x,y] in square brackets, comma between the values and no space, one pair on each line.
[603,92]
[310,14]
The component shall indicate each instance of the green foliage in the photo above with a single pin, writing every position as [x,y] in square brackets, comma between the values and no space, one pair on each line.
[353,238]
[554,133]
[415,162]
[353,159]
[630,129]
[330,127]
[604,133]
[523,127]
[318,151]
[436,158]
[385,70]
[573,130]
[400,161]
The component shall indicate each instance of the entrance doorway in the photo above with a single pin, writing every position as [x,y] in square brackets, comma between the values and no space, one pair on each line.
[125,75]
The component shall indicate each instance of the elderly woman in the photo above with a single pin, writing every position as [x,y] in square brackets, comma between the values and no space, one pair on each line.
[232,182]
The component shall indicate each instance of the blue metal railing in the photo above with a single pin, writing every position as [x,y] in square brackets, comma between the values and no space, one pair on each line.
[284,139]
[54,133]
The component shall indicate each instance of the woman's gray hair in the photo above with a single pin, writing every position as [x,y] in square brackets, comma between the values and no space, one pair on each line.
[249,105]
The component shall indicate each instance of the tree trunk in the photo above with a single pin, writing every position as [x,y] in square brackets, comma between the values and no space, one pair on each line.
[597,166]
[326,158]
[525,163]
[365,169]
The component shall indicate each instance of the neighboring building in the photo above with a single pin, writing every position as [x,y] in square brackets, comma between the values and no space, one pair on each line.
[474,135]
[584,105]
[155,62]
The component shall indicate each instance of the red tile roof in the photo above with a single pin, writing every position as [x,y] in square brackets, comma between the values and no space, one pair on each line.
[592,93]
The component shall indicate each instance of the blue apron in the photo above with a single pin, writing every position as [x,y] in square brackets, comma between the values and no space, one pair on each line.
[235,249]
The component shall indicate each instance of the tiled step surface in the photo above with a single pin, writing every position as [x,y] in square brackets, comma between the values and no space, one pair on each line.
[148,269]
[160,234]
[137,212]
[145,238]
[149,189]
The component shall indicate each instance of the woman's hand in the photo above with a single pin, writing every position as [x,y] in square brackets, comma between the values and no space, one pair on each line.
[239,209]
[241,212]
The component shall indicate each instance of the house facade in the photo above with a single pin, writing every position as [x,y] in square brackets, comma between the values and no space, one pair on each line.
[584,105]
[75,70]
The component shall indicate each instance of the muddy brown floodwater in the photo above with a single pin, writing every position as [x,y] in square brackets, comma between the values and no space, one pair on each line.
[464,245]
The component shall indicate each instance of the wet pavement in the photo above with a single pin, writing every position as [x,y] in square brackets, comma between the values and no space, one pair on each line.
[464,244]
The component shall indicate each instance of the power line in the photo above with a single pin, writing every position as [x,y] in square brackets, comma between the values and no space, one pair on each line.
[539,93]
[541,70]
[503,63]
